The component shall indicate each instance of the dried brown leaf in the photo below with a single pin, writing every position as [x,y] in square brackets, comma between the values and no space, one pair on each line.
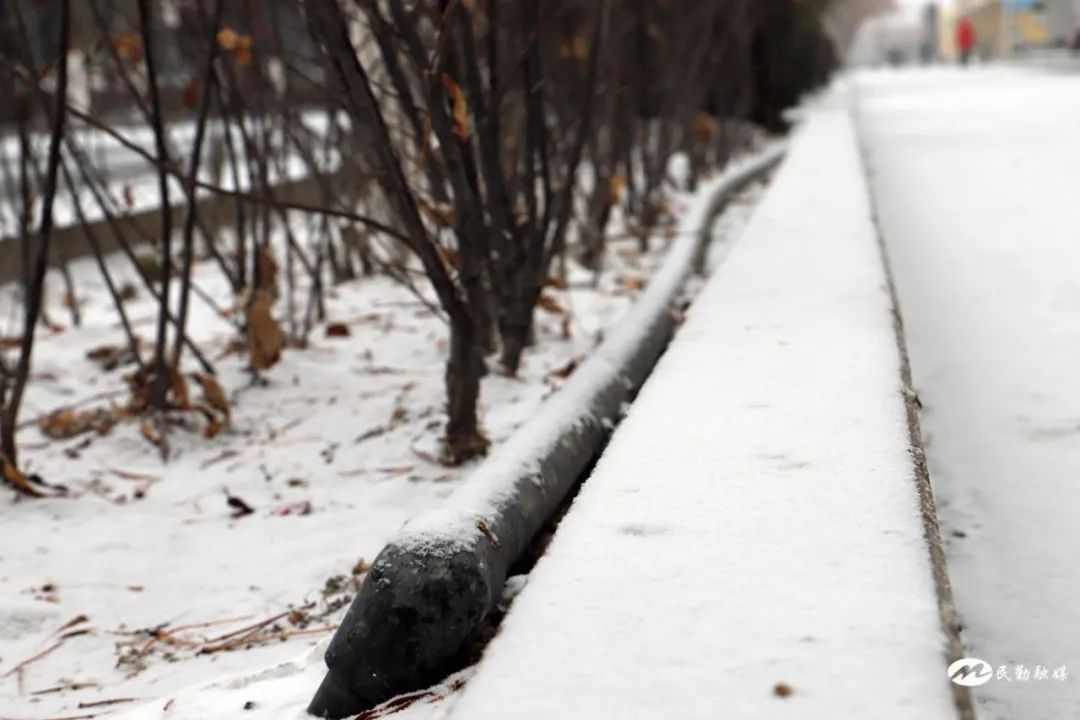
[265,339]
[551,305]
[616,185]
[267,269]
[179,387]
[213,427]
[213,394]
[152,435]
[565,371]
[228,39]
[67,423]
[128,47]
[243,54]
[460,108]
[239,506]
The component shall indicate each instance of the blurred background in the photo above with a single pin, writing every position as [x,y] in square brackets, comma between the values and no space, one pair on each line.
[914,31]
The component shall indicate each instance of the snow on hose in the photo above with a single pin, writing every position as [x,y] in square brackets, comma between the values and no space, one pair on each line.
[432,585]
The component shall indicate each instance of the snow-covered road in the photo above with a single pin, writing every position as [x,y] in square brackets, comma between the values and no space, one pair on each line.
[977,176]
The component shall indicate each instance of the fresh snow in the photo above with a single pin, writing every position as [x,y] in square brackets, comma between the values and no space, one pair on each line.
[976,176]
[754,527]
[493,490]
[347,427]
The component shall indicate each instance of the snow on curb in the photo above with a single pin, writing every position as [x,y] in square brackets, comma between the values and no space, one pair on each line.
[752,541]
[433,584]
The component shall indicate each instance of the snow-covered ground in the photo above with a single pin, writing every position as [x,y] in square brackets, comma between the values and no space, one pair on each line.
[976,176]
[146,580]
[751,544]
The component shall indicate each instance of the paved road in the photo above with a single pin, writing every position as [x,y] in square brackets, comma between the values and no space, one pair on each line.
[977,178]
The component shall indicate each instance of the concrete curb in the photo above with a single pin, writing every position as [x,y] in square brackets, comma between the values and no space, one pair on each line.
[432,585]
[950,624]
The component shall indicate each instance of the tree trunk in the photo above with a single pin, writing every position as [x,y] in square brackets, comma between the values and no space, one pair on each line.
[465,366]
[463,440]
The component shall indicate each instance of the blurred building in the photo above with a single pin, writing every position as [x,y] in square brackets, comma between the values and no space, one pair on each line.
[1006,28]
[843,18]
[901,37]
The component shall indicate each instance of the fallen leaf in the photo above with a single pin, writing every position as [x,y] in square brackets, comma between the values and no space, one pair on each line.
[213,427]
[565,371]
[337,330]
[213,394]
[239,506]
[67,423]
[110,357]
[179,387]
[267,268]
[127,292]
[265,339]
[549,304]
[482,527]
[151,435]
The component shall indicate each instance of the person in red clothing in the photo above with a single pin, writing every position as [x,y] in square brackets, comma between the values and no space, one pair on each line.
[965,39]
